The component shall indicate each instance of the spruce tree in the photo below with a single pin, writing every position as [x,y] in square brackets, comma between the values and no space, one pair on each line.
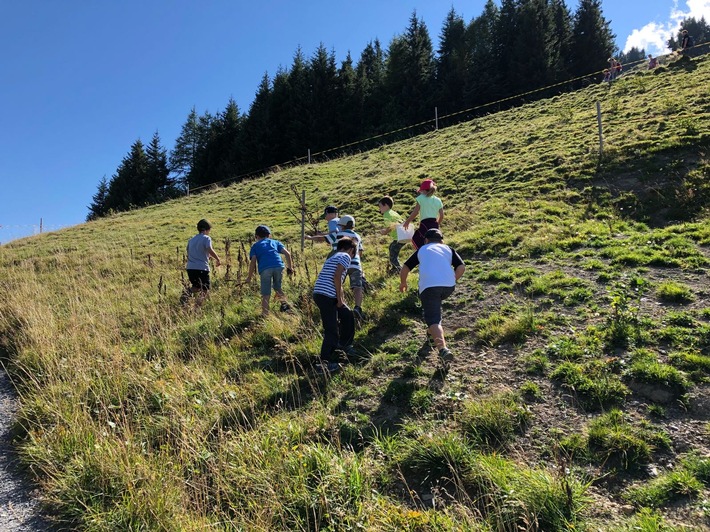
[410,75]
[158,184]
[322,106]
[348,112]
[98,204]
[592,39]
[183,157]
[451,64]
[369,88]
[127,187]
[483,72]
[257,149]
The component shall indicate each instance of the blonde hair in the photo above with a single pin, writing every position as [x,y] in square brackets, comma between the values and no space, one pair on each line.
[431,191]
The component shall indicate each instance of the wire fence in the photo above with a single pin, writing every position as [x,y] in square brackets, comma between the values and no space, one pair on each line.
[449,119]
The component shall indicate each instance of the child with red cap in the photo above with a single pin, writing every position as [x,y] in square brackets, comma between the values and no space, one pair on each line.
[430,210]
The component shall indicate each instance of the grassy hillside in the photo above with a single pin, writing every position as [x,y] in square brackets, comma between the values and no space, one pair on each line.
[578,398]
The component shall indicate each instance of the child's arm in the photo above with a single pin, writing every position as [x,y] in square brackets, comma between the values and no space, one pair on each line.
[315,237]
[252,270]
[214,255]
[338,282]
[412,216]
[441,216]
[289,261]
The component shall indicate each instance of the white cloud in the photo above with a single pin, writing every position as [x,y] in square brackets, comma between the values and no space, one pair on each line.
[654,35]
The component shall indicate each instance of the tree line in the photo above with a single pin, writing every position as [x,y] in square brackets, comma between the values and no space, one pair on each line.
[319,105]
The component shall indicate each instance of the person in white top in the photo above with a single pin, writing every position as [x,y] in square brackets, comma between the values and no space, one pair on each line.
[439,269]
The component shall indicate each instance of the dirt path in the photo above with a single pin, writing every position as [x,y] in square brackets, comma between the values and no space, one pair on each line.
[19,510]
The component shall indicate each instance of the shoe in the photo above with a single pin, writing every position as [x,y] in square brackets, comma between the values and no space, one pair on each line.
[358,313]
[445,354]
[328,368]
[351,353]
[285,307]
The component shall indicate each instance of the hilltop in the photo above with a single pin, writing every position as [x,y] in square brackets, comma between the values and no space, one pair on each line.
[577,397]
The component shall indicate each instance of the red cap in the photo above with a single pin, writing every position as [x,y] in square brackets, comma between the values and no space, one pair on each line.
[426,185]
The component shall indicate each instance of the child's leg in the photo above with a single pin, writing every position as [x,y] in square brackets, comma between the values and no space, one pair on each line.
[395,248]
[265,279]
[437,334]
[265,304]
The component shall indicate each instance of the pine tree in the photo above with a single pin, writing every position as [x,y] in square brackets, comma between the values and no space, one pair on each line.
[561,40]
[451,63]
[632,56]
[505,36]
[322,106]
[127,187]
[410,75]
[484,73]
[348,111]
[298,109]
[369,88]
[593,40]
[531,54]
[257,151]
[159,185]
[183,156]
[98,204]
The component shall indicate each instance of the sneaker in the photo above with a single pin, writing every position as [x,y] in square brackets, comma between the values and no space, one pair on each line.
[326,367]
[445,354]
[351,353]
[358,313]
[285,307]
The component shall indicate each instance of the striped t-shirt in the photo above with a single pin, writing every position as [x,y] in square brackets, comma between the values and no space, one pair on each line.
[325,283]
[355,263]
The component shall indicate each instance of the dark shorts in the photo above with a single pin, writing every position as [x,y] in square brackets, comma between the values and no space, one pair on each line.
[199,279]
[431,299]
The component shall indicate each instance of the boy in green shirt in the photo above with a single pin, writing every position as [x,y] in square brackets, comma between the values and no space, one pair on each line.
[392,219]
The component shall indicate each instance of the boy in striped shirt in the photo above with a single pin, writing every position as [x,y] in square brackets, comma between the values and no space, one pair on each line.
[328,295]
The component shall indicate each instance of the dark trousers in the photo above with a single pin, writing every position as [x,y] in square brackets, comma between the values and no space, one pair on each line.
[338,326]
[395,248]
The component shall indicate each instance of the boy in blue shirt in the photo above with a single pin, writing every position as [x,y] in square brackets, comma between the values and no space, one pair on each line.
[199,251]
[266,254]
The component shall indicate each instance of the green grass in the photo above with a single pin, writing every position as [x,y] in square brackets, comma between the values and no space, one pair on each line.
[139,413]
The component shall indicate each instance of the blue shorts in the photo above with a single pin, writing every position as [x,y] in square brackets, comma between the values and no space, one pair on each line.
[271,276]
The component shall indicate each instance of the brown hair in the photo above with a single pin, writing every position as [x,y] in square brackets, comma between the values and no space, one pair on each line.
[203,225]
[345,244]
[387,200]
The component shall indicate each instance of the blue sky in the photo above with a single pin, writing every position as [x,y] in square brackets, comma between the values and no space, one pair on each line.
[81,80]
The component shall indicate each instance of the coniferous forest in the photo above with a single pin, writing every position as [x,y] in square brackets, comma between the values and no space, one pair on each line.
[318,105]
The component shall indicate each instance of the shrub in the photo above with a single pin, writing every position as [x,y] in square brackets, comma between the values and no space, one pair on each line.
[493,422]
[673,292]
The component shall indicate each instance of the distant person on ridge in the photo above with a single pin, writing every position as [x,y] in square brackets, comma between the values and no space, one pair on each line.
[199,251]
[392,219]
[266,254]
[686,41]
[652,62]
[439,269]
[430,210]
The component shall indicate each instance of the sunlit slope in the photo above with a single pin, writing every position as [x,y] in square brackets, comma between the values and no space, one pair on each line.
[139,413]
